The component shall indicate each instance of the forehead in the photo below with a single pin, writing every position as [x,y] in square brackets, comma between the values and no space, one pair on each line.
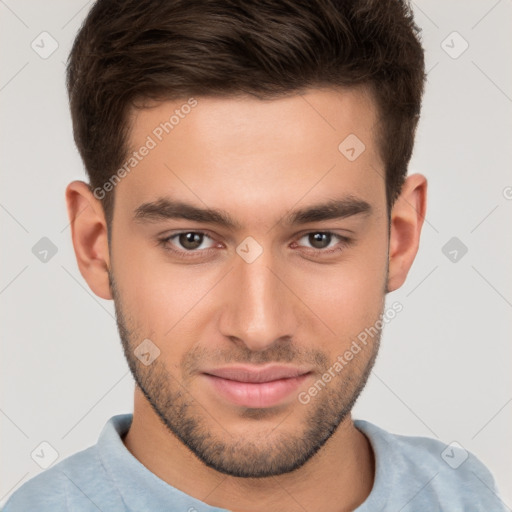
[256,152]
[213,119]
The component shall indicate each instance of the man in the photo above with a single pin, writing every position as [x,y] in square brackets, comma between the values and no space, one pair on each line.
[248,211]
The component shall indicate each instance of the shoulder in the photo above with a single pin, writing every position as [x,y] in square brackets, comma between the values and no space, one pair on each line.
[56,488]
[78,482]
[429,469]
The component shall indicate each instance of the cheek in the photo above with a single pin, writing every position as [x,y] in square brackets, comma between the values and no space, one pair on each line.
[166,300]
[349,296]
[161,298]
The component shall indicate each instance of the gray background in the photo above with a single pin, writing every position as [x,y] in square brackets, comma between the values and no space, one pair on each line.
[444,368]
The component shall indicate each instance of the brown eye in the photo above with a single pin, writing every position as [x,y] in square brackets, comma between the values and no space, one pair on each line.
[191,240]
[188,244]
[324,243]
[320,240]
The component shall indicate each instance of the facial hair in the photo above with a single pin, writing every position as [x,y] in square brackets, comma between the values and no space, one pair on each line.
[260,453]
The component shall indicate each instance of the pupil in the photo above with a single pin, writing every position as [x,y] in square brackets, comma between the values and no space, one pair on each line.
[320,240]
[191,240]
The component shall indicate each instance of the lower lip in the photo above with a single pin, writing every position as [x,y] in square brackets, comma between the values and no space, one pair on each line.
[256,394]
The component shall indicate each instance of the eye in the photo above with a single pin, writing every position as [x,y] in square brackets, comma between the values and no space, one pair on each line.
[324,241]
[187,241]
[199,244]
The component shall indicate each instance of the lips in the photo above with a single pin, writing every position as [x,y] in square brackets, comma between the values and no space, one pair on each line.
[256,387]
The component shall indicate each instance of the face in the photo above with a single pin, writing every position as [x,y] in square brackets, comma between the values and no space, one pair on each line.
[251,249]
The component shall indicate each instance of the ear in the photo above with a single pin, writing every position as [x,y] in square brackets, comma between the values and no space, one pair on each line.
[407,216]
[89,235]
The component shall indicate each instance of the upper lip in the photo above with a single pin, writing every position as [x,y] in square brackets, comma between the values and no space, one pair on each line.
[257,374]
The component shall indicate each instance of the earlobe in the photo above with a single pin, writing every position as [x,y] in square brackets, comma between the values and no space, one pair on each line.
[89,235]
[407,218]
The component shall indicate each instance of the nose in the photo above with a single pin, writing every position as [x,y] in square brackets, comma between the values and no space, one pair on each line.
[259,309]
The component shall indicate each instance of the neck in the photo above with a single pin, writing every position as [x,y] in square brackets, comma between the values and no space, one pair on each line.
[337,478]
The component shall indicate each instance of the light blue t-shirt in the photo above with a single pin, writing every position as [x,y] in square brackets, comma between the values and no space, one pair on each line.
[412,474]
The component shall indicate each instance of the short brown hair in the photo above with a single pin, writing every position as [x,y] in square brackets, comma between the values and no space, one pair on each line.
[170,49]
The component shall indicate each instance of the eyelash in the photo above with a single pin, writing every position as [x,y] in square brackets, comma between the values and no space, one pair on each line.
[164,242]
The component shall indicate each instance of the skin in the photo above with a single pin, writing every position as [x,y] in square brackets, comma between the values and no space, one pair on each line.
[256,160]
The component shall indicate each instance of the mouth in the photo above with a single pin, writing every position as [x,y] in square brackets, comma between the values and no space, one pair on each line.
[256,387]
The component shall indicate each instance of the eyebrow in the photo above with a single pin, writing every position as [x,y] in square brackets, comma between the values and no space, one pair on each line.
[166,208]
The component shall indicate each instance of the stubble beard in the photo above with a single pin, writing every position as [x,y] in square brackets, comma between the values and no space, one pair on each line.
[261,452]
